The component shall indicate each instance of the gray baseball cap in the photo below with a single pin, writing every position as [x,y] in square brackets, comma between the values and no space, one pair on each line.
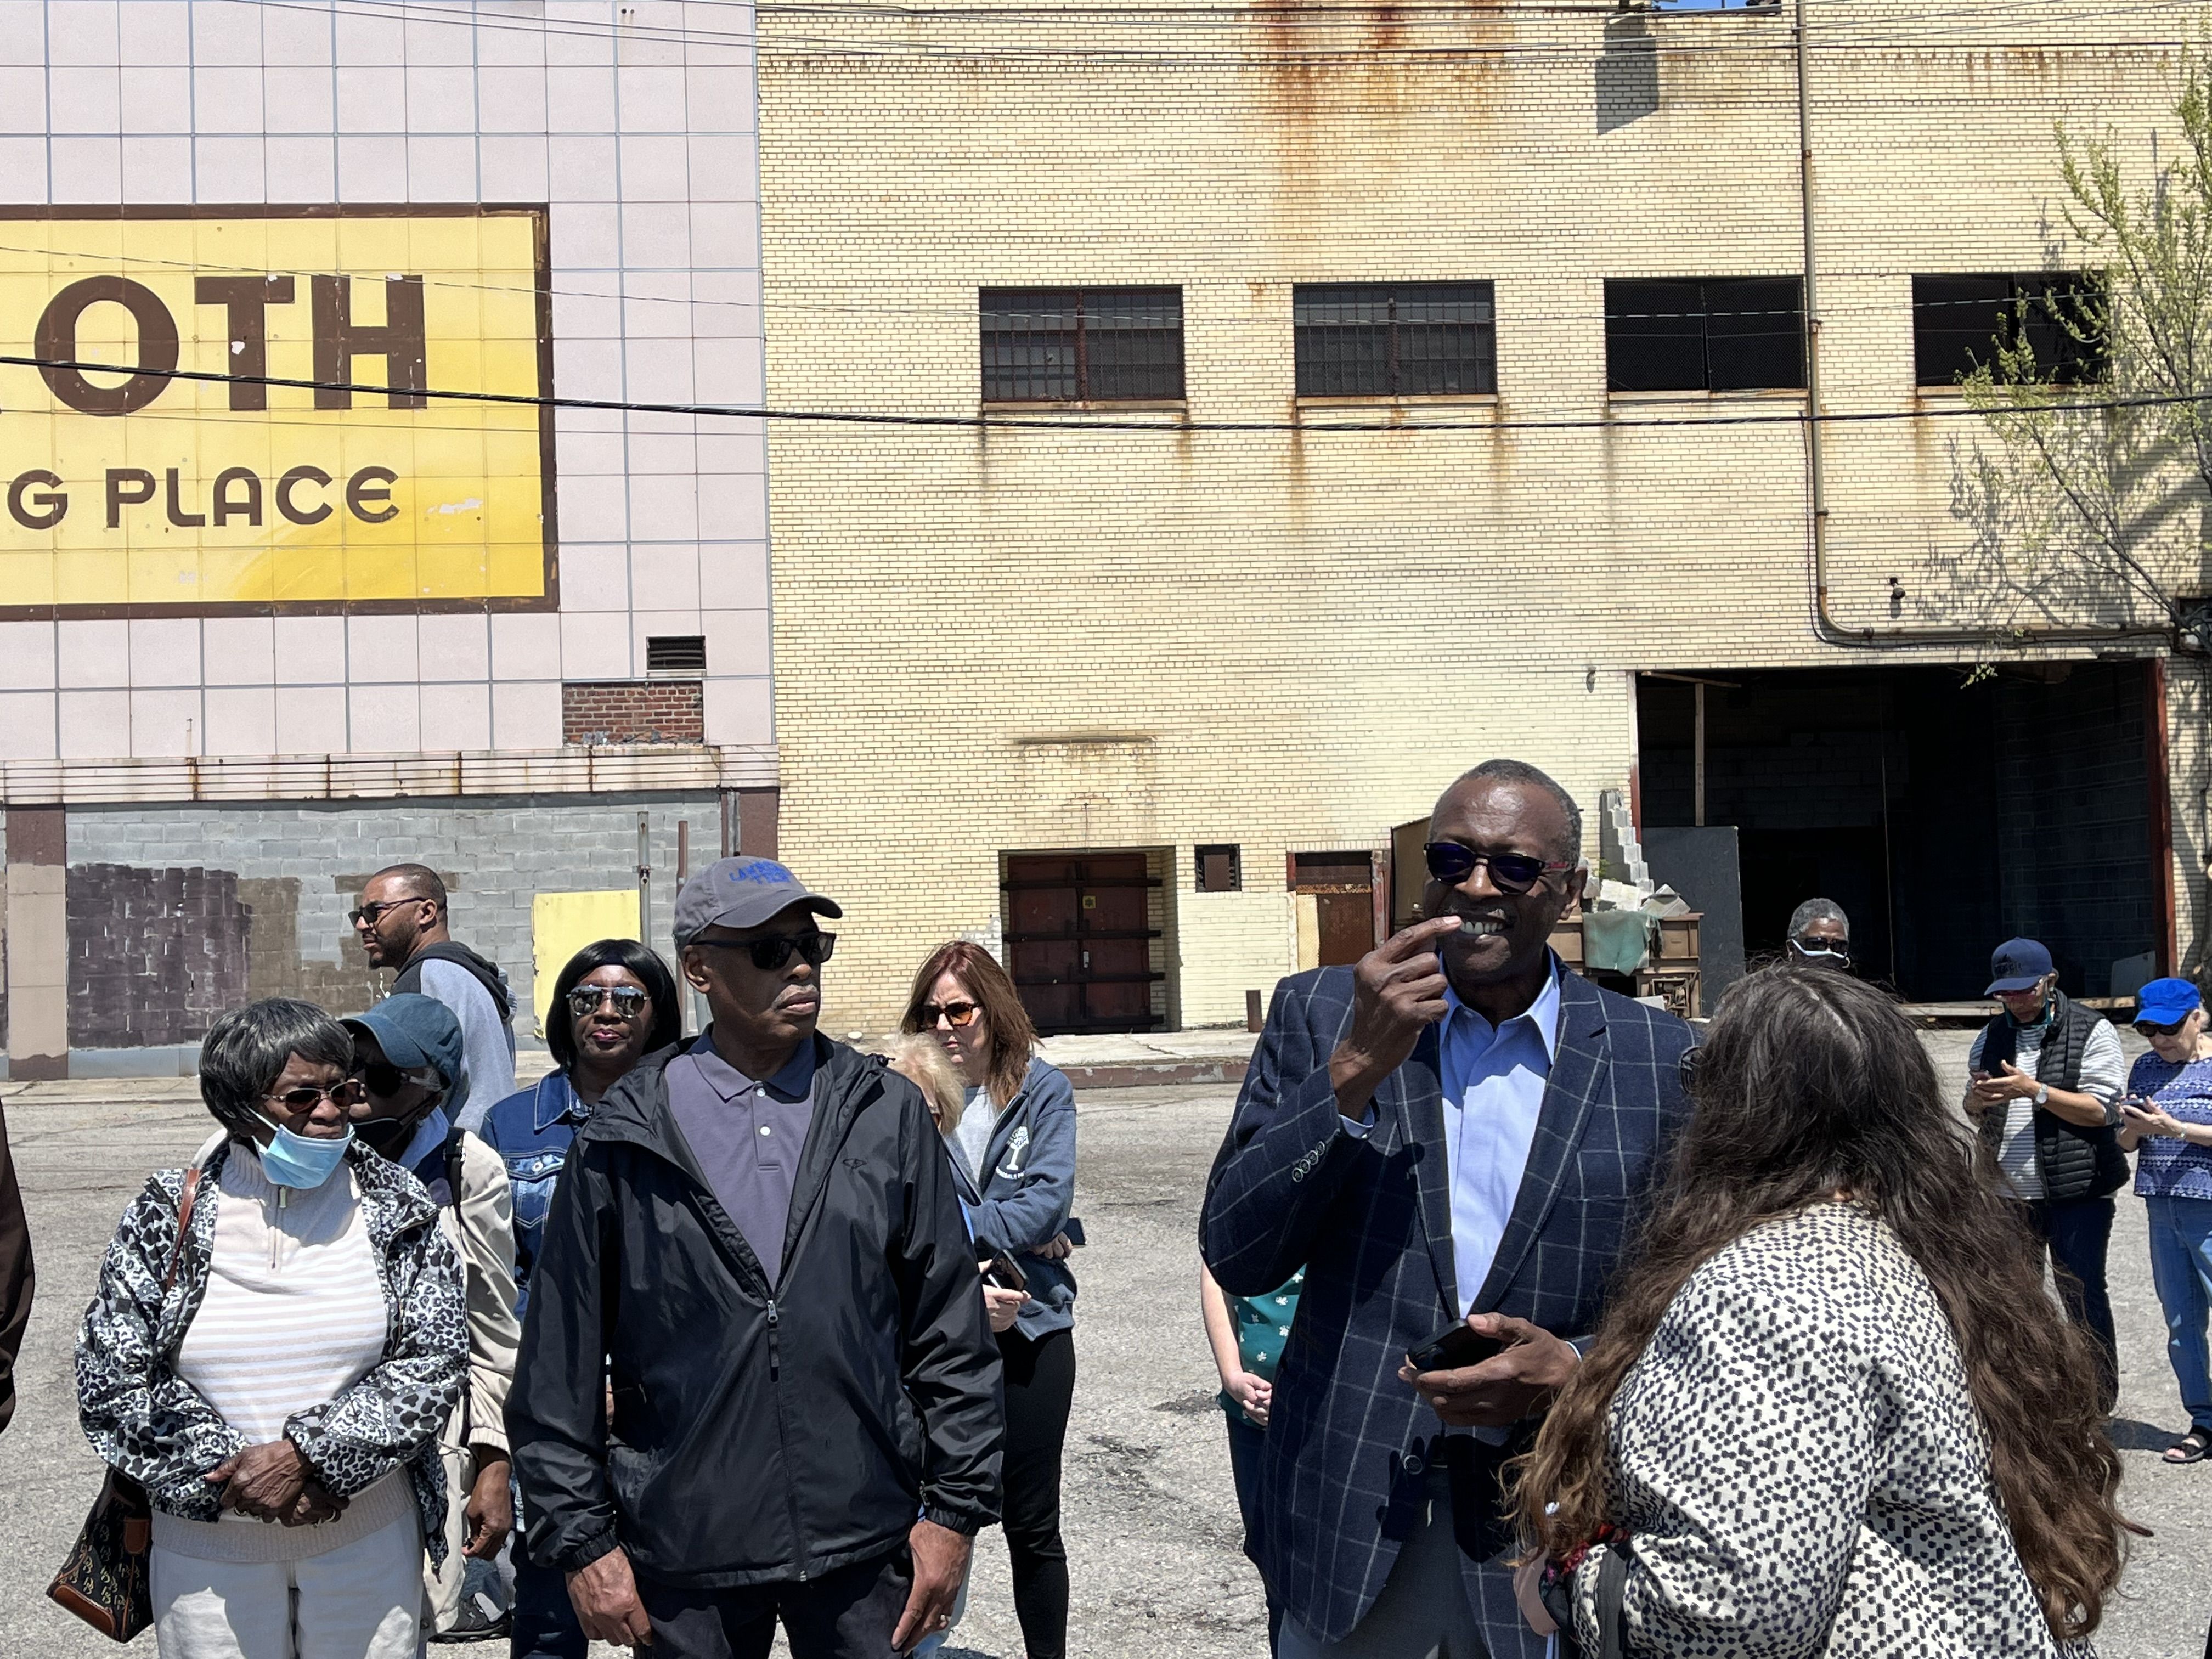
[742,893]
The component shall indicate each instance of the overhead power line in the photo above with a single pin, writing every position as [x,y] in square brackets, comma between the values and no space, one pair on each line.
[1166,423]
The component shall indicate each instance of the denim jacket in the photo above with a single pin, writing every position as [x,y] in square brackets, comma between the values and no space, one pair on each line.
[1027,1192]
[531,1130]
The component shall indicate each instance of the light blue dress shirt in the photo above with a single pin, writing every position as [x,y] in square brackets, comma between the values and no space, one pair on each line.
[1494,1080]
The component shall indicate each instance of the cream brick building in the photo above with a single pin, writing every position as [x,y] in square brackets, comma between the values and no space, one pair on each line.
[1229,621]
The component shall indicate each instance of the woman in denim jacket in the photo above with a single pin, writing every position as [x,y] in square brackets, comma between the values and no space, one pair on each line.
[1013,1154]
[614,1004]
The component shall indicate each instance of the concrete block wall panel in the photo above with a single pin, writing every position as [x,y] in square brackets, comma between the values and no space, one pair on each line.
[1312,631]
[177,912]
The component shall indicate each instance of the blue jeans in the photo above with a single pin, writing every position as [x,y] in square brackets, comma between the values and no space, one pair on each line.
[2181,1269]
[2077,1231]
[1248,1446]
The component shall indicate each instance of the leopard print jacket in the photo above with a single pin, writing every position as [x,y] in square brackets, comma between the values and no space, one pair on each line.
[145,1421]
[1802,1470]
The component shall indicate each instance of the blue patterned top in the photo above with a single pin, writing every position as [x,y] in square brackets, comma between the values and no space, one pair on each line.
[2168,1167]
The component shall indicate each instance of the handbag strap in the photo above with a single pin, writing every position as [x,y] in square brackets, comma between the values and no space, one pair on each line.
[1611,1592]
[185,1199]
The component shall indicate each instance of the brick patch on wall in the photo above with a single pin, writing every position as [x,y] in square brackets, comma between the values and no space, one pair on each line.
[156,956]
[632,711]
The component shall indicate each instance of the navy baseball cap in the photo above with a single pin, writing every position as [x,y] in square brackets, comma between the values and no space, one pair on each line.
[742,893]
[414,1030]
[2167,1001]
[2017,966]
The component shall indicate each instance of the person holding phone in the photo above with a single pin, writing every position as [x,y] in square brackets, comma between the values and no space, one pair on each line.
[1457,1129]
[1013,1152]
[2167,1113]
[2045,1076]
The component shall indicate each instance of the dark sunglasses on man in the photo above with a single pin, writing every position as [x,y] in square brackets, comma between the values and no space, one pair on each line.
[585,1000]
[1510,872]
[771,952]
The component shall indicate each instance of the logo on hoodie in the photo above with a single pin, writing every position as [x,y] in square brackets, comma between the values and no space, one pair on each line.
[1015,1147]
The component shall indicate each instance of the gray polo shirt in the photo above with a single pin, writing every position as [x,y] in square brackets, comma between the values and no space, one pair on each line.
[747,1137]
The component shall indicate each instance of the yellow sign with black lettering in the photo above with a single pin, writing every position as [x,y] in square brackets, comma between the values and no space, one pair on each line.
[132,488]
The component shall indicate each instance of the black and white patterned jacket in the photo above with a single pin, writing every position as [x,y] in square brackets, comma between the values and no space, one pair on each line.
[147,1421]
[1802,1469]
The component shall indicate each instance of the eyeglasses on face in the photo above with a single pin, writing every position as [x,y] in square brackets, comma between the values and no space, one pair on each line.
[306,1097]
[586,1000]
[771,952]
[2152,1028]
[370,914]
[958,1015]
[1510,872]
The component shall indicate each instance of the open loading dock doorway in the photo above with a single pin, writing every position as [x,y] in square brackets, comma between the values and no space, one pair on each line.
[1945,812]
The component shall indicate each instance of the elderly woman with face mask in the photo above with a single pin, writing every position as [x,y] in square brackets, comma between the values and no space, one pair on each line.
[279,1396]
[2167,1112]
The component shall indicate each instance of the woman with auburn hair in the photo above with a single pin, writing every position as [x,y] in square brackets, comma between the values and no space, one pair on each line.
[1013,1156]
[1830,1408]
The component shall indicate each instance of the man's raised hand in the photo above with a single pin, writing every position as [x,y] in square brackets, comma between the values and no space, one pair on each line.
[1398,990]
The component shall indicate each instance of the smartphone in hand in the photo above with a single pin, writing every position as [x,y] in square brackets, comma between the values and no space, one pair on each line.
[1453,1348]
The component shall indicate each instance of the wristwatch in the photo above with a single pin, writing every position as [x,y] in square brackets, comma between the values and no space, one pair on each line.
[2043,1094]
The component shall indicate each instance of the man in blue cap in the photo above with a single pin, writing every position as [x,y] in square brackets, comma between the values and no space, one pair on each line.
[408,1053]
[759,1233]
[2046,1077]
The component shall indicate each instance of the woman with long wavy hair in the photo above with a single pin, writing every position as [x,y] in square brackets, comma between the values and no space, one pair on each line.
[1830,1408]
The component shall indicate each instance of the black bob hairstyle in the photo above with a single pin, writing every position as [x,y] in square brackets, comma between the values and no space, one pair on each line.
[652,972]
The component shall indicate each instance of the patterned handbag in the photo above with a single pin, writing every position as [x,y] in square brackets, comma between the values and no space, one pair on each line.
[105,1581]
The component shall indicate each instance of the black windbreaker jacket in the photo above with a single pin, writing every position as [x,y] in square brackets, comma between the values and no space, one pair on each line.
[758,1436]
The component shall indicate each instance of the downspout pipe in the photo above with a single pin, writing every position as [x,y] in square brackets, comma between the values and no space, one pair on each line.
[1825,627]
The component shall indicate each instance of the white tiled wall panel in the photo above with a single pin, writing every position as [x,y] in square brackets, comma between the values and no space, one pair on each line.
[649,169]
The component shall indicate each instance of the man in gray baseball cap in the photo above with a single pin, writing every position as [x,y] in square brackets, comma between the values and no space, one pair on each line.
[759,1231]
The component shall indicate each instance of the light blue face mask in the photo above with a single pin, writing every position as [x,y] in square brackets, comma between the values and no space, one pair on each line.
[302,1162]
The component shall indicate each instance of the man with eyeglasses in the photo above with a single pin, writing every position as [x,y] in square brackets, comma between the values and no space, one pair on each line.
[1820,936]
[1457,1135]
[760,1234]
[400,923]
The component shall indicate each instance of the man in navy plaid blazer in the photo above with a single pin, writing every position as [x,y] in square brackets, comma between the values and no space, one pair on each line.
[1457,1107]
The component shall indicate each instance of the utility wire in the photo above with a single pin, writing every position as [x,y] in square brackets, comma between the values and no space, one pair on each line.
[1166,423]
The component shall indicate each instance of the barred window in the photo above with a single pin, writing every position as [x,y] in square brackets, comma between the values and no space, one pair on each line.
[1394,340]
[1960,322]
[1082,345]
[1710,334]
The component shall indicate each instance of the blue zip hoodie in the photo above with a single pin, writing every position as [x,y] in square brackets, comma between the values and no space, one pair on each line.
[1027,1190]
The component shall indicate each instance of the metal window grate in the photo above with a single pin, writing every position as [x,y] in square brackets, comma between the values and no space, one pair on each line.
[1710,334]
[1394,340]
[1220,869]
[1960,322]
[678,656]
[1081,345]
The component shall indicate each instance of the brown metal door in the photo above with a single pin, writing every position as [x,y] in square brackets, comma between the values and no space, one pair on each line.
[1347,926]
[1077,944]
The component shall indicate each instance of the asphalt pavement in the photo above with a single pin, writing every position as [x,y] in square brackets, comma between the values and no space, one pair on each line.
[1151,1518]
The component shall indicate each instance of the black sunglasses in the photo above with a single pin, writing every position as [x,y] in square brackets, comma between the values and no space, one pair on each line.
[1814,946]
[373,913]
[629,999]
[385,1079]
[2152,1028]
[771,952]
[1510,872]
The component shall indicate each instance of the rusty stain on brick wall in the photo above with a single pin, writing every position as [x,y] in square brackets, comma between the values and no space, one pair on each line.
[276,966]
[632,711]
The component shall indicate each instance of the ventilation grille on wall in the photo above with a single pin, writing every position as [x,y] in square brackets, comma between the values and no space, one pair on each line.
[677,656]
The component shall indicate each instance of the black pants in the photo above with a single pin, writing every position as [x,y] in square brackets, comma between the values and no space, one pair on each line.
[1040,1388]
[544,1625]
[2077,1231]
[849,1613]
[1247,1448]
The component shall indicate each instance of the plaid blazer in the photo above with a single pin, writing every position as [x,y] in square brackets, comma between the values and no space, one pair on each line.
[1369,1220]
